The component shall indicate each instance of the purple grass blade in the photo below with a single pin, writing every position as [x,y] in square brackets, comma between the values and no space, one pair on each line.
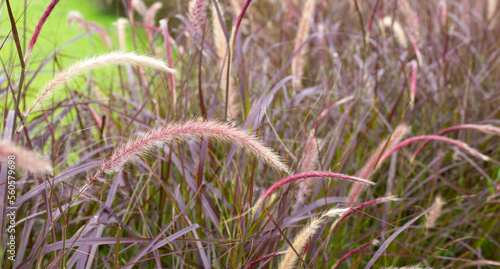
[387,242]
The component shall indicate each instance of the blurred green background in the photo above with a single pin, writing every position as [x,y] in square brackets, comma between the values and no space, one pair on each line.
[57,33]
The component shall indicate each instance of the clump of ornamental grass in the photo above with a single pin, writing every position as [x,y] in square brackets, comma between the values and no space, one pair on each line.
[302,238]
[375,158]
[214,130]
[302,34]
[92,63]
[23,157]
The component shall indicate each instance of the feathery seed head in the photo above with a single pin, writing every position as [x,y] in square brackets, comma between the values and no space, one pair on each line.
[300,241]
[110,58]
[308,175]
[397,29]
[151,13]
[197,14]
[308,164]
[443,13]
[38,29]
[213,130]
[23,157]
[74,16]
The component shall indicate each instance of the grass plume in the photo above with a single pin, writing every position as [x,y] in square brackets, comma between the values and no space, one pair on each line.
[371,165]
[300,241]
[397,29]
[38,29]
[307,176]
[489,129]
[308,165]
[23,157]
[92,63]
[302,34]
[454,142]
[432,216]
[197,14]
[183,131]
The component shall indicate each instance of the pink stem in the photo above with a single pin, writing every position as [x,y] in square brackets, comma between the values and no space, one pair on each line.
[239,19]
[293,178]
[413,87]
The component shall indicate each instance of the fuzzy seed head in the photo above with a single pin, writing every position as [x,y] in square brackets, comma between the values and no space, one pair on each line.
[432,216]
[397,29]
[197,14]
[213,130]
[23,157]
[119,58]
